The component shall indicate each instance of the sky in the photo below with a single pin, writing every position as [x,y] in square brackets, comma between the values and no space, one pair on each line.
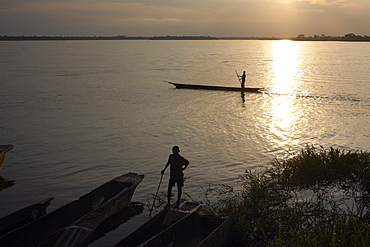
[218,18]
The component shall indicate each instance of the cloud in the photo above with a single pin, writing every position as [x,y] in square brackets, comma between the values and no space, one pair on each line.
[190,17]
[90,16]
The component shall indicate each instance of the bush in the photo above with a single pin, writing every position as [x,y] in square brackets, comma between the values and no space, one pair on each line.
[317,198]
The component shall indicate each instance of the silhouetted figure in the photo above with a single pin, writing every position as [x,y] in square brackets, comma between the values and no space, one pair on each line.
[242,79]
[177,165]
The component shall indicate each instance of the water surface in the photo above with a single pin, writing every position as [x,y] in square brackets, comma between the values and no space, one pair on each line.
[80,113]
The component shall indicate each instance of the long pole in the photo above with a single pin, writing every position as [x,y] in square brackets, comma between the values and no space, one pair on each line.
[238,76]
[159,185]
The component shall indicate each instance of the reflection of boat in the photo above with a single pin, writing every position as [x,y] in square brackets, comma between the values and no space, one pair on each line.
[3,150]
[218,88]
[158,223]
[86,212]
[194,230]
[23,216]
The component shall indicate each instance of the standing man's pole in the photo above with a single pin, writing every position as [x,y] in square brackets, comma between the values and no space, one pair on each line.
[237,75]
[159,185]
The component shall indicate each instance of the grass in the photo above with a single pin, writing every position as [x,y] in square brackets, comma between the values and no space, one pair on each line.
[316,198]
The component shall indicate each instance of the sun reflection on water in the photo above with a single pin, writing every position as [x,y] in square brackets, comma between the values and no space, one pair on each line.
[285,66]
[284,75]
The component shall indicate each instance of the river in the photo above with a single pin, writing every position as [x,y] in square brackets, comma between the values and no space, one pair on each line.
[80,113]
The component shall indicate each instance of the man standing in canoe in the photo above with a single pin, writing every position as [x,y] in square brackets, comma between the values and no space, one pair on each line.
[242,79]
[177,165]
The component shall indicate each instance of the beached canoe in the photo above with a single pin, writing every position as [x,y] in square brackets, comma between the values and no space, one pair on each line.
[81,232]
[3,150]
[194,230]
[123,216]
[6,148]
[158,223]
[91,227]
[5,183]
[23,216]
[218,88]
[97,204]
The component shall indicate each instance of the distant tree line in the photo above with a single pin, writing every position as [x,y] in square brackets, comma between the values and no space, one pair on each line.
[118,37]
[183,38]
[301,37]
[323,37]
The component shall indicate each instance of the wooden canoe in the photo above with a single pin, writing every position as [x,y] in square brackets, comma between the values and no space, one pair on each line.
[194,230]
[5,183]
[23,216]
[218,88]
[3,150]
[108,225]
[79,235]
[158,223]
[88,211]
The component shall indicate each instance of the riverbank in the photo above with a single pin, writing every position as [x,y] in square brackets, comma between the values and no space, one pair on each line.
[316,198]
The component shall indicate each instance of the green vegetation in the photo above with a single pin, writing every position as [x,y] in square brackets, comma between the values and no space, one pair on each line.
[316,198]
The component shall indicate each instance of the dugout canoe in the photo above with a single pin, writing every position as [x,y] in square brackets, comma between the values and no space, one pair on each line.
[5,183]
[217,88]
[158,223]
[23,216]
[194,230]
[92,227]
[3,150]
[123,216]
[104,200]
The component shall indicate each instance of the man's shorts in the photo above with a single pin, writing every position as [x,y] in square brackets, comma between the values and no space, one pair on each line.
[179,182]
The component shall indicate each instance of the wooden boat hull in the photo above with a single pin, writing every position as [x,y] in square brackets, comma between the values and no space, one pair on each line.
[91,227]
[23,216]
[102,198]
[80,233]
[158,223]
[217,88]
[5,183]
[3,150]
[194,230]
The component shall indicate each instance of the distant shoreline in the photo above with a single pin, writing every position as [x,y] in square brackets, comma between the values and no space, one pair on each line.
[349,38]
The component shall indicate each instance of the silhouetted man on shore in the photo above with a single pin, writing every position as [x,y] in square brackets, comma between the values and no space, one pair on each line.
[177,165]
